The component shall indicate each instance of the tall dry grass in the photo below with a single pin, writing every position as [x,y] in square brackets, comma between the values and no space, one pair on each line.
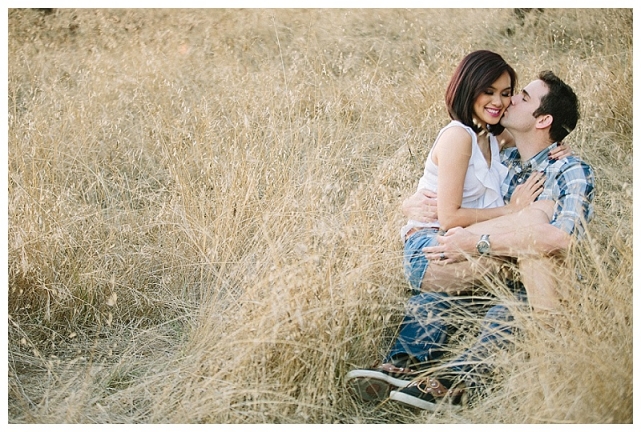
[204,210]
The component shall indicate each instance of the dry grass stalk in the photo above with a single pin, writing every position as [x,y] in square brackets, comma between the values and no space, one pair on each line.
[204,210]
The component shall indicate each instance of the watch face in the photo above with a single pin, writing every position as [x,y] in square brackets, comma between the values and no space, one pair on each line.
[483,246]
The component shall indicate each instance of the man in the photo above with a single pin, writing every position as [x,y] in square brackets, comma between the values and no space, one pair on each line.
[538,118]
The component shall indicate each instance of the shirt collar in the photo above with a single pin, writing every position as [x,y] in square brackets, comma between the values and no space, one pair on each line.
[539,160]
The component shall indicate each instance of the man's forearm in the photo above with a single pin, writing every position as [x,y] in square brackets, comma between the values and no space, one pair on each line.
[534,240]
[524,233]
[540,239]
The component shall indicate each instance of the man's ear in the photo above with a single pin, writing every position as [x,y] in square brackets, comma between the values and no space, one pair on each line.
[544,121]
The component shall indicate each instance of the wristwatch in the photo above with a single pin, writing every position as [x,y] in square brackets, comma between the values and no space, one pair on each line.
[483,245]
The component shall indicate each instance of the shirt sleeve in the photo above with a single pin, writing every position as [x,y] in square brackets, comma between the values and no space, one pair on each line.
[573,209]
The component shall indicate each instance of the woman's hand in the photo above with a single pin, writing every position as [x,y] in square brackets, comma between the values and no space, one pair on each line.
[560,151]
[526,193]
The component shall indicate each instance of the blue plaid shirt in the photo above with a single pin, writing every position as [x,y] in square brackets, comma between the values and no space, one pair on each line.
[569,183]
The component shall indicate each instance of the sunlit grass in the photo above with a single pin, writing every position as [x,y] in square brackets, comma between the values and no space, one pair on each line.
[204,210]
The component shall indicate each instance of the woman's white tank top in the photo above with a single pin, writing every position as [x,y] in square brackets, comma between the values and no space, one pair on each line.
[482,185]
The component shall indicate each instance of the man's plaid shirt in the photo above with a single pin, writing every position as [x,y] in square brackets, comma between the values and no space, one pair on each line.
[569,183]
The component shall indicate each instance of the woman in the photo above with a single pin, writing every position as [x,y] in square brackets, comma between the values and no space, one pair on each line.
[464,168]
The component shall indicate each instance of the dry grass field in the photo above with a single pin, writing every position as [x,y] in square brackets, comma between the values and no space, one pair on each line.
[204,207]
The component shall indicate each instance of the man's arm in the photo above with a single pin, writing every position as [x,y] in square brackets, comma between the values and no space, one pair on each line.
[535,240]
[567,208]
[522,234]
[539,239]
[421,206]
[528,232]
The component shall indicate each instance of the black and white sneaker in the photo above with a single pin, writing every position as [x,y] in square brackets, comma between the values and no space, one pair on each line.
[428,394]
[376,383]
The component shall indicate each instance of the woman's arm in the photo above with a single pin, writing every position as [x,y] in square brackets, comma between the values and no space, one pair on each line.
[452,154]
[560,151]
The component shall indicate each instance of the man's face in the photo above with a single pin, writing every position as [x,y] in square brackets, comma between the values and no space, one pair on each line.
[519,115]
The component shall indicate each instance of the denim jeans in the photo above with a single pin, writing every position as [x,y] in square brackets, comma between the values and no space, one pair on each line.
[414,261]
[432,318]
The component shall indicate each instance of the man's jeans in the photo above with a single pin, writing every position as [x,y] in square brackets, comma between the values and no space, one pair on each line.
[432,318]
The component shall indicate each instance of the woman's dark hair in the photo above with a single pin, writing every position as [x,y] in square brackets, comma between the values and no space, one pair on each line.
[474,75]
[561,103]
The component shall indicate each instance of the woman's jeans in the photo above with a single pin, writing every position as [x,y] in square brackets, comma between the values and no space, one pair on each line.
[414,261]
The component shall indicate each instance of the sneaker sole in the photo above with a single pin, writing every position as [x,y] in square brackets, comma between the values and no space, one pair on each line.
[369,389]
[377,375]
[415,402]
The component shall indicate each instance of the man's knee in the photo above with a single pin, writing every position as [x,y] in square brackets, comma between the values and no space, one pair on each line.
[426,303]
[498,315]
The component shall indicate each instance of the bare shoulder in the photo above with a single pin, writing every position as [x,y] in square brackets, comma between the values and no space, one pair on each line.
[455,137]
[455,144]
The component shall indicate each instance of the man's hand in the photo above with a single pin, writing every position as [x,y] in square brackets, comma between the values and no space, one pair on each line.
[456,245]
[421,206]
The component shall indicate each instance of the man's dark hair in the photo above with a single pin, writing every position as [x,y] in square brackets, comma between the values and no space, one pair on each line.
[474,75]
[561,103]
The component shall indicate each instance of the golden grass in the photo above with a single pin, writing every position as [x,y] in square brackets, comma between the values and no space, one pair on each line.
[204,210]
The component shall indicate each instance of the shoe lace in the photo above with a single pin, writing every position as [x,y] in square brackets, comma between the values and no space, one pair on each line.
[429,385]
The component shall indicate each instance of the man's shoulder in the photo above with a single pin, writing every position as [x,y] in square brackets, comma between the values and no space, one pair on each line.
[574,161]
[574,166]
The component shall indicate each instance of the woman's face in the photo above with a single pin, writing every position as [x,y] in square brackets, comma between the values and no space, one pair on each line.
[490,105]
